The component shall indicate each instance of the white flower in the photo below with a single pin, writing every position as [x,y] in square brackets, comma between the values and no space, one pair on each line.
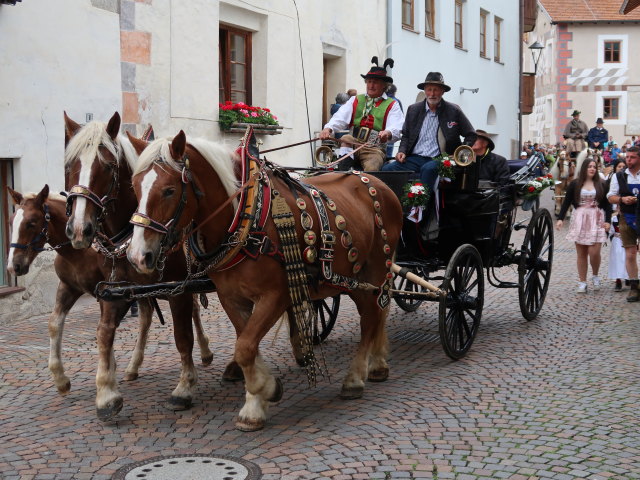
[417,190]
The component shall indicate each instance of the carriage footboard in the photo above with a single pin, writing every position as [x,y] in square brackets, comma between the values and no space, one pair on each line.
[113,291]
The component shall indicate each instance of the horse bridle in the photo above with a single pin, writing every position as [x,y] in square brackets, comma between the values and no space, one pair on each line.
[85,192]
[43,234]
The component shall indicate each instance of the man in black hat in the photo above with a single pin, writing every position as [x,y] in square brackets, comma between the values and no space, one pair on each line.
[373,118]
[432,127]
[575,133]
[598,135]
[493,167]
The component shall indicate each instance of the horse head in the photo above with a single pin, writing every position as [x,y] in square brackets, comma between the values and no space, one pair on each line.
[29,226]
[98,161]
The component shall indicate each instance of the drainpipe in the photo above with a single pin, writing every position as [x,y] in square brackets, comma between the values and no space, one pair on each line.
[520,33]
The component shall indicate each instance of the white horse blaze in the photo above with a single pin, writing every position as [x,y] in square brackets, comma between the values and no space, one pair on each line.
[15,231]
[81,202]
[137,240]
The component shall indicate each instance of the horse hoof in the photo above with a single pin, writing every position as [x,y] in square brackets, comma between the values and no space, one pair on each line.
[233,373]
[277,394]
[111,410]
[178,404]
[64,389]
[378,375]
[247,425]
[207,359]
[129,377]
[351,393]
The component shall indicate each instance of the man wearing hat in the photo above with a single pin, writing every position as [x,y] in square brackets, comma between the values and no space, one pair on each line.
[372,117]
[598,135]
[432,127]
[493,167]
[574,133]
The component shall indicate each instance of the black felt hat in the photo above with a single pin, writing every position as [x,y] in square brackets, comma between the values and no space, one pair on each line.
[484,135]
[576,112]
[599,120]
[434,78]
[379,72]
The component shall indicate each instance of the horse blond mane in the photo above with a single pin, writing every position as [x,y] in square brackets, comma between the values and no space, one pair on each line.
[218,156]
[84,144]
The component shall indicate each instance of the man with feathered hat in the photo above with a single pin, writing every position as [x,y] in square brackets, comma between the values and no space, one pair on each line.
[373,118]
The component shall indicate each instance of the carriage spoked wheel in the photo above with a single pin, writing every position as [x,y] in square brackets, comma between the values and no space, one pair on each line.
[407,303]
[326,314]
[534,269]
[461,307]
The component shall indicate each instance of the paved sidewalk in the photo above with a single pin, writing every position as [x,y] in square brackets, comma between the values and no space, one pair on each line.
[555,398]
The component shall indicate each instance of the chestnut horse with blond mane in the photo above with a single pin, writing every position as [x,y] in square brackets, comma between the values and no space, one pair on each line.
[256,275]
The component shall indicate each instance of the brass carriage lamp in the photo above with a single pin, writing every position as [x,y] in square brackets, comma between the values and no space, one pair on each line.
[536,52]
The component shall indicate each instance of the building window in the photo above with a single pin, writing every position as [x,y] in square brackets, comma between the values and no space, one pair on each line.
[497,27]
[458,24]
[612,52]
[407,14]
[235,65]
[611,108]
[483,33]
[6,180]
[429,18]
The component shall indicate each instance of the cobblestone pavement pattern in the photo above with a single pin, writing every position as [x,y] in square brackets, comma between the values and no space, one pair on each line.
[555,398]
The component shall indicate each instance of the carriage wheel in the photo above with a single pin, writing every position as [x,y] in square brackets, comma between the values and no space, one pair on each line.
[326,314]
[461,307]
[408,304]
[534,270]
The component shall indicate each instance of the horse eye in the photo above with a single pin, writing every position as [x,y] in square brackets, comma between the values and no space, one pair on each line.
[168,192]
[31,224]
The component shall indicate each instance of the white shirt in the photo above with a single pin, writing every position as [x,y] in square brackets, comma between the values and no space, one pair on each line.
[614,188]
[427,143]
[342,118]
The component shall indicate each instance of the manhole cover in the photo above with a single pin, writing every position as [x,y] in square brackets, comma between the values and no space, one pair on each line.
[190,467]
[415,337]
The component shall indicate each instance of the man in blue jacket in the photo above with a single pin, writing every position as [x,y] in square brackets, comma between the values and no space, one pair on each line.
[598,135]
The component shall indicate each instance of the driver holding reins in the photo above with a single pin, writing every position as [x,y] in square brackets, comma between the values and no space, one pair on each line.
[373,118]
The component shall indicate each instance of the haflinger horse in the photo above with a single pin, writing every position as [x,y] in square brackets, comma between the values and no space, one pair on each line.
[98,167]
[40,219]
[264,260]
[563,171]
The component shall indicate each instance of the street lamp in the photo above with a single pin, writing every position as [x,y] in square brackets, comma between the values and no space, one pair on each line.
[536,51]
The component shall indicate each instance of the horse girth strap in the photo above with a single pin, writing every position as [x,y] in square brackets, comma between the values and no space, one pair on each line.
[297,280]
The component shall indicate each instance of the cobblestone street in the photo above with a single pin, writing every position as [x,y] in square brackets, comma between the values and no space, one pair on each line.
[554,398]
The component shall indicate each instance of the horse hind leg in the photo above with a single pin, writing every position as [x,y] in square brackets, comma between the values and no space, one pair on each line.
[206,355]
[372,339]
[146,314]
[66,297]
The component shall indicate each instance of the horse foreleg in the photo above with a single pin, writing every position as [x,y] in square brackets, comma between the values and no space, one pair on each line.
[108,398]
[66,297]
[203,340]
[372,337]
[181,311]
[239,316]
[146,314]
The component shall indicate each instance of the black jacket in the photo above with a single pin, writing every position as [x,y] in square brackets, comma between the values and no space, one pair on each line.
[570,199]
[495,168]
[452,125]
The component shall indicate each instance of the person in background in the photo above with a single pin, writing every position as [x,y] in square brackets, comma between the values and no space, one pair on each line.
[598,135]
[523,155]
[352,92]
[374,119]
[617,268]
[391,93]
[432,127]
[590,221]
[615,151]
[341,99]
[623,192]
[575,133]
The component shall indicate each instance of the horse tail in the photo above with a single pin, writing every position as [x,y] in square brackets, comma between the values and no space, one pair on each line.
[582,156]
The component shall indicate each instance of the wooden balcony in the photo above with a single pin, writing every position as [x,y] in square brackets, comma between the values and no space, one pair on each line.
[527,93]
[529,14]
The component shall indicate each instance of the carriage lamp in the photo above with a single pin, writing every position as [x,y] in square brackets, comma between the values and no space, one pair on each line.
[536,52]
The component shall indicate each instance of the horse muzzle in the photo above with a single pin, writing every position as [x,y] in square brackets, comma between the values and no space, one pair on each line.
[81,234]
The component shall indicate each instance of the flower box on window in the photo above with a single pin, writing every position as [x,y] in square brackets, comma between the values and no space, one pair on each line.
[236,117]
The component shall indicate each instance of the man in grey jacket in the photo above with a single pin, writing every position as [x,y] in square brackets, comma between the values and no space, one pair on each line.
[575,133]
[432,127]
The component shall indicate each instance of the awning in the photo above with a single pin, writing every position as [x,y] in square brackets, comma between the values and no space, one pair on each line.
[9,2]
[629,5]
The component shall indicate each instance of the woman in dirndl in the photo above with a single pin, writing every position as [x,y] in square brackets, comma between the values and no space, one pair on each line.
[590,221]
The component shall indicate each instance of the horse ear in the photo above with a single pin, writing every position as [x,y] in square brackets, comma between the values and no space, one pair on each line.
[178,145]
[113,127]
[43,195]
[17,196]
[138,144]
[70,128]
